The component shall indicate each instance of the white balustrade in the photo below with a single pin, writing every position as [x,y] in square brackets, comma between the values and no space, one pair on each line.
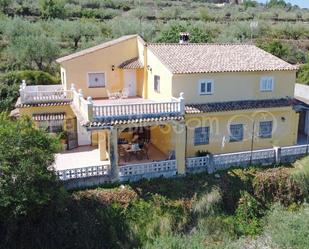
[197,162]
[77,173]
[43,93]
[118,110]
[147,168]
[294,150]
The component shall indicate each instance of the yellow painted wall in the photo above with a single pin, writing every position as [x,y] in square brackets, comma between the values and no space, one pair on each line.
[157,68]
[162,138]
[139,82]
[29,111]
[233,86]
[284,132]
[100,61]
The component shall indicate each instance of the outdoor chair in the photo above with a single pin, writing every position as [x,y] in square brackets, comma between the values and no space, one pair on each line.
[110,95]
[125,93]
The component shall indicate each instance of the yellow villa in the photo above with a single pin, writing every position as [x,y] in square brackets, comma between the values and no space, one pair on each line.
[127,102]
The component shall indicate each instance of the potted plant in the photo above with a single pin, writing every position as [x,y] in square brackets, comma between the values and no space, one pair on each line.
[63,137]
[202,153]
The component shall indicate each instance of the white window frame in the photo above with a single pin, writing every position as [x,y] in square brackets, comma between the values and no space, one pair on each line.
[234,139]
[101,72]
[205,81]
[263,136]
[267,88]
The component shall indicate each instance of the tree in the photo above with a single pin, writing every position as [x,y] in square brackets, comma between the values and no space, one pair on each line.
[75,31]
[276,3]
[52,9]
[303,74]
[34,51]
[26,183]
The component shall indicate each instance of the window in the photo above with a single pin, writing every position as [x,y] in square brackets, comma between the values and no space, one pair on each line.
[96,79]
[236,132]
[53,126]
[201,135]
[267,84]
[206,87]
[266,129]
[157,83]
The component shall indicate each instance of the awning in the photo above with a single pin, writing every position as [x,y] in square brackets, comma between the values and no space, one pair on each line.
[48,116]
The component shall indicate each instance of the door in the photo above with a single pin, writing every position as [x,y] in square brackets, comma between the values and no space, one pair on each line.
[130,81]
[72,133]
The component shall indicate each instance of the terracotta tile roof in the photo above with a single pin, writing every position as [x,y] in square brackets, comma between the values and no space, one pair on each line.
[98,47]
[237,105]
[213,58]
[98,124]
[133,63]
[48,116]
[21,105]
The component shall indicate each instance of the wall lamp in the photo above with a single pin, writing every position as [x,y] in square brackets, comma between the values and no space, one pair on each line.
[113,67]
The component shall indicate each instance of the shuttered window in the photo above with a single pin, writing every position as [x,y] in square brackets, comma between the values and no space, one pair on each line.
[201,135]
[236,132]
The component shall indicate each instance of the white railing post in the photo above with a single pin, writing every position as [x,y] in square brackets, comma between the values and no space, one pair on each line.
[22,91]
[90,108]
[81,96]
[182,103]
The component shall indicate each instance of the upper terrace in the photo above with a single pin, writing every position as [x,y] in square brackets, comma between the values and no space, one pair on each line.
[103,109]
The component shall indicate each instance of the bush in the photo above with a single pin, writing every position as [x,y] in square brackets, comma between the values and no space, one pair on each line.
[248,214]
[10,82]
[276,185]
[31,77]
[303,74]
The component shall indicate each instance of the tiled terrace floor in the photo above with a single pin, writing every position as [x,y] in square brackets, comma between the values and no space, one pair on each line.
[80,157]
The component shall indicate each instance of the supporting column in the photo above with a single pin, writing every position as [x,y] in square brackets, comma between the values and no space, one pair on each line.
[113,153]
[180,147]
[102,145]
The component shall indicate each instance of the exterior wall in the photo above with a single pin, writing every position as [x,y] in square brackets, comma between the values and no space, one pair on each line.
[102,60]
[157,68]
[233,86]
[284,132]
[139,82]
[162,138]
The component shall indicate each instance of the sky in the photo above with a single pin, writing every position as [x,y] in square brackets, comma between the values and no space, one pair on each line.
[300,3]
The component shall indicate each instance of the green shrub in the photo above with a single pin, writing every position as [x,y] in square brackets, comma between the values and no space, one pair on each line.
[247,215]
[10,82]
[31,77]
[303,74]
[277,185]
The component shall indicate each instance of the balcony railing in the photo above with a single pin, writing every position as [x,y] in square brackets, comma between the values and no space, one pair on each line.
[95,112]
[43,94]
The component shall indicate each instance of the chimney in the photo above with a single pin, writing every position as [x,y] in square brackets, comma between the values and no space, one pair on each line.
[184,38]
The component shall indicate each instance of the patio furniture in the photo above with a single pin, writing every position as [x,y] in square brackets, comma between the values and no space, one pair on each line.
[125,93]
[131,149]
[110,95]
